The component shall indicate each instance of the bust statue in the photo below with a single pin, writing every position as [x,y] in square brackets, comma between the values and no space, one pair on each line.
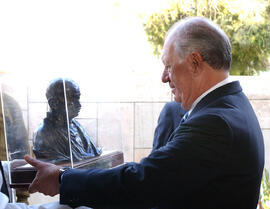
[51,139]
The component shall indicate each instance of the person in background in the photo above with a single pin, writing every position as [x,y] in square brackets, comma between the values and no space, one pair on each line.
[169,119]
[16,133]
[214,159]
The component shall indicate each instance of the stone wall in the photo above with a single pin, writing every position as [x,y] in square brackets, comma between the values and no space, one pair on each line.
[257,90]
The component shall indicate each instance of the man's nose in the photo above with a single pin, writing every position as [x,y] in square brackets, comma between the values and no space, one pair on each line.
[165,76]
[77,104]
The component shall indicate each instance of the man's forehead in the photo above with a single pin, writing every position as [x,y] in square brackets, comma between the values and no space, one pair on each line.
[74,95]
[165,58]
[167,49]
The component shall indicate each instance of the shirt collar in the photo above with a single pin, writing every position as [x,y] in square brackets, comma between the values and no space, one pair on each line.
[221,83]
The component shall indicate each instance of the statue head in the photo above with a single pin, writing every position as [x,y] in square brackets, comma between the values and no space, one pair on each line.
[56,97]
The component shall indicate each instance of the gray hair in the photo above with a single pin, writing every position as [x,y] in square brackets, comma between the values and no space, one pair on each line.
[198,34]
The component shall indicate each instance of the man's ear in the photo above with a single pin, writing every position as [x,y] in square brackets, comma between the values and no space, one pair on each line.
[53,103]
[196,61]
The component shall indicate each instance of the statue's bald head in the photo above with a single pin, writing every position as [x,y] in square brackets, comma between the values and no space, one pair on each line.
[198,34]
[56,89]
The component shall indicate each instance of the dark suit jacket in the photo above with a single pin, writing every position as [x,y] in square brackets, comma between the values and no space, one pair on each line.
[215,160]
[169,119]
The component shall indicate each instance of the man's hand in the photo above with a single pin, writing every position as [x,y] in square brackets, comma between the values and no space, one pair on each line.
[46,180]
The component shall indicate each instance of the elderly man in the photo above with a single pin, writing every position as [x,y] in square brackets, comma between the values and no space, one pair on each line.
[214,159]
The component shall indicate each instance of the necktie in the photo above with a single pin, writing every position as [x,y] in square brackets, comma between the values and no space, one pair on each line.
[184,118]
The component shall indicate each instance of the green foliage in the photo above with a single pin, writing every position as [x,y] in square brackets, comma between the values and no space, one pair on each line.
[250,41]
[157,26]
[264,201]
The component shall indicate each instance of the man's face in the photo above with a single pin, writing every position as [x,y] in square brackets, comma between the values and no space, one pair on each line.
[177,73]
[73,105]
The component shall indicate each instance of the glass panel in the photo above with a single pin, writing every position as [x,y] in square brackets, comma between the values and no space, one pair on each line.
[35,124]
[62,121]
[94,125]
[13,101]
[51,138]
[83,146]
[14,124]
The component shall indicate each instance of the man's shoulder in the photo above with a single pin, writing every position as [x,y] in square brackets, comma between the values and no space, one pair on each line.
[173,108]
[172,104]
